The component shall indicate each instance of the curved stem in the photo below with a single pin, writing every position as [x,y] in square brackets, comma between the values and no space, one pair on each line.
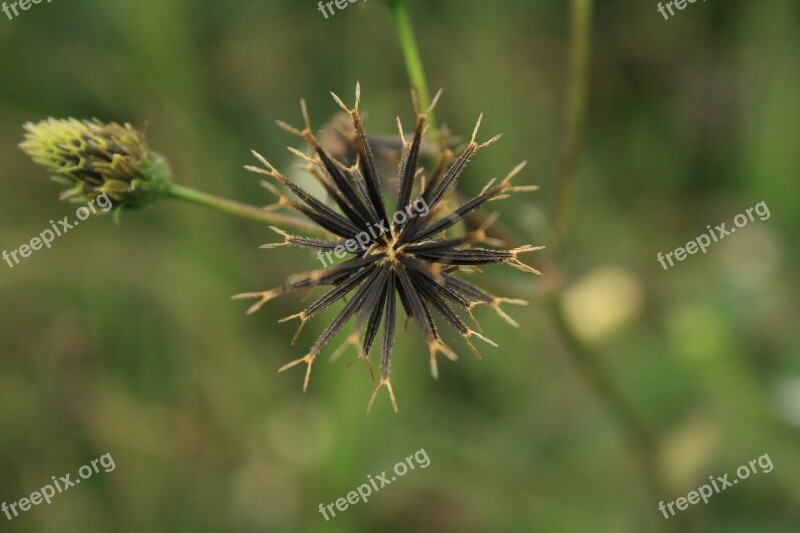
[642,439]
[235,208]
[416,72]
[588,363]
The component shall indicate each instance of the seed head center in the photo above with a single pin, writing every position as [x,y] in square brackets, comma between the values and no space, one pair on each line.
[391,249]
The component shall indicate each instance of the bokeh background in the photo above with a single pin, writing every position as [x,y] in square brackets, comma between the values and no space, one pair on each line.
[123,338]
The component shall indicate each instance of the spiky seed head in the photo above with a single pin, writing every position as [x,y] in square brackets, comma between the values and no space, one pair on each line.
[398,258]
[92,158]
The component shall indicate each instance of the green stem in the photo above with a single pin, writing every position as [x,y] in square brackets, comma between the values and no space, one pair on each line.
[416,72]
[235,208]
[580,39]
[641,438]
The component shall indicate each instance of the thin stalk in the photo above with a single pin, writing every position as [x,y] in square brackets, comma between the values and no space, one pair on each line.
[643,441]
[239,209]
[588,363]
[641,438]
[413,61]
[577,90]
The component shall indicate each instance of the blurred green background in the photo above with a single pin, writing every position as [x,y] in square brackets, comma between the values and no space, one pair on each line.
[123,338]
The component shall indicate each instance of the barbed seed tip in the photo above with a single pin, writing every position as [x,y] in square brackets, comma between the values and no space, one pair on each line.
[383,383]
[434,101]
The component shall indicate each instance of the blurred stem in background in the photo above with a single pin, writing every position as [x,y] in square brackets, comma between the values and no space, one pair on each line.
[575,117]
[641,438]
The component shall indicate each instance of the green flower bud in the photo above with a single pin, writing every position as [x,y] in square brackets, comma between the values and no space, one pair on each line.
[93,158]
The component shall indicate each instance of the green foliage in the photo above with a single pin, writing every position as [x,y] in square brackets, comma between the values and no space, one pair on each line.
[123,339]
